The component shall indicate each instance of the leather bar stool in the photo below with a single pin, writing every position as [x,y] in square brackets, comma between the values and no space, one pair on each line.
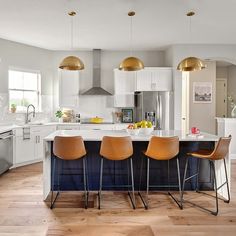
[219,153]
[162,149]
[117,149]
[67,149]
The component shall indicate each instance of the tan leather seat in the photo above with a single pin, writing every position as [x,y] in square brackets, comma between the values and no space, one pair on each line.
[219,153]
[117,149]
[162,149]
[69,148]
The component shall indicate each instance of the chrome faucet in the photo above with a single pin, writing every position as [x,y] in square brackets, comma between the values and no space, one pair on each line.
[29,113]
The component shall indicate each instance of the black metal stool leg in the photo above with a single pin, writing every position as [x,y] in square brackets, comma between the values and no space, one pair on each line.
[179,181]
[132,182]
[227,183]
[184,180]
[85,185]
[52,184]
[147,192]
[100,184]
[216,193]
[178,202]
[198,172]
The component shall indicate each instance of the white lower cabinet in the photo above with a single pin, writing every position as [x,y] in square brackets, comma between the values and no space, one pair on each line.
[24,150]
[29,148]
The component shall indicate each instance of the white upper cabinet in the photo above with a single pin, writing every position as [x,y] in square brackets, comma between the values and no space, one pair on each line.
[154,79]
[68,88]
[144,80]
[125,83]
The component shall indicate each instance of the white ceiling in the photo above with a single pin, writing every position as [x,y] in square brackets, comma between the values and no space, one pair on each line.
[104,23]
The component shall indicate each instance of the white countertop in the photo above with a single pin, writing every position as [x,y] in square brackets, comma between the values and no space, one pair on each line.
[97,135]
[5,128]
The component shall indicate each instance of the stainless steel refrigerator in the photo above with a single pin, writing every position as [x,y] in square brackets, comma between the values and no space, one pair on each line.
[153,102]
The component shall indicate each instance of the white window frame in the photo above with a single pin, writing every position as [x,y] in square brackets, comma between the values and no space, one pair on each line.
[39,94]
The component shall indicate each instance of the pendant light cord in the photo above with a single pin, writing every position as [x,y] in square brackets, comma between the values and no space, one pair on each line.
[72,27]
[131,35]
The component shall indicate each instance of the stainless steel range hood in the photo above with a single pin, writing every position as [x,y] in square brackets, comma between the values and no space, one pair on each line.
[96,89]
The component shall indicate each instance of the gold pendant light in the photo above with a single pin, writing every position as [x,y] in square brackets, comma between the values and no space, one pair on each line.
[131,63]
[71,62]
[191,63]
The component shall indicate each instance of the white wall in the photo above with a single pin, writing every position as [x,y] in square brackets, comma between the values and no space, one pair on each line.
[26,57]
[222,72]
[202,115]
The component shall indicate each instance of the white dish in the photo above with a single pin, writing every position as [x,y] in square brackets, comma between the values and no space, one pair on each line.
[146,131]
[133,131]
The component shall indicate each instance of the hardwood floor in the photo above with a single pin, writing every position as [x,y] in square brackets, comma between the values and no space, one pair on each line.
[22,212]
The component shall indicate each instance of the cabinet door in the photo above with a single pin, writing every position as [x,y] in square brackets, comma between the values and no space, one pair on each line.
[68,89]
[24,149]
[124,81]
[144,80]
[164,79]
[39,136]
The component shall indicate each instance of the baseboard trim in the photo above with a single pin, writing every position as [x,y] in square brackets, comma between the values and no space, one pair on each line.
[25,163]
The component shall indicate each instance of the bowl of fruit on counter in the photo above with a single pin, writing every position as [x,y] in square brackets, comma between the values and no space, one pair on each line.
[132,129]
[145,127]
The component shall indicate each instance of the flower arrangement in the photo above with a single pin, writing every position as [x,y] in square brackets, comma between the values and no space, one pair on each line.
[233,106]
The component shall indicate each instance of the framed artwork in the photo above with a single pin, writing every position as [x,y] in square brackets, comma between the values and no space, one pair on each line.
[202,92]
[127,115]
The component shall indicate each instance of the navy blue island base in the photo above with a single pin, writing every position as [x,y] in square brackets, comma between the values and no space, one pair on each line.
[116,173]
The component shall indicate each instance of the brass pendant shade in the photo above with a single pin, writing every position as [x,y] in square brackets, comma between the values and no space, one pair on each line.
[191,64]
[131,64]
[71,63]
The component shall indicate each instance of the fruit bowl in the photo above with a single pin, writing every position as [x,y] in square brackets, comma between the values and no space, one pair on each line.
[133,131]
[146,131]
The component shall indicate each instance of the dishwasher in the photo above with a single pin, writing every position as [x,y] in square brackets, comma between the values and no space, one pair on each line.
[6,151]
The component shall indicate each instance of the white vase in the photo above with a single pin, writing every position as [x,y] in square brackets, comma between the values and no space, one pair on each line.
[233,112]
[60,120]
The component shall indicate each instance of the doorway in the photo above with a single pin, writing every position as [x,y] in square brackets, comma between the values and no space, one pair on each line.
[221,97]
[185,102]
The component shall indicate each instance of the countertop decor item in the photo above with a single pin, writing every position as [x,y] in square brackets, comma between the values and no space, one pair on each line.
[191,63]
[233,106]
[131,63]
[127,116]
[59,115]
[13,108]
[71,62]
[96,120]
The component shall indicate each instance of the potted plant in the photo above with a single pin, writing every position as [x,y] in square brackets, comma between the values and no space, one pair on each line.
[59,115]
[13,108]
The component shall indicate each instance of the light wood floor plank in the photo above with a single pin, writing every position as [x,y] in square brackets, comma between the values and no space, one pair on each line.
[22,212]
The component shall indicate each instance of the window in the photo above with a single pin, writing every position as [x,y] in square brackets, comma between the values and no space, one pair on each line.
[24,89]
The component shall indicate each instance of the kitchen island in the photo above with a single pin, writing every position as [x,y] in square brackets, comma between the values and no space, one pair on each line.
[92,139]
